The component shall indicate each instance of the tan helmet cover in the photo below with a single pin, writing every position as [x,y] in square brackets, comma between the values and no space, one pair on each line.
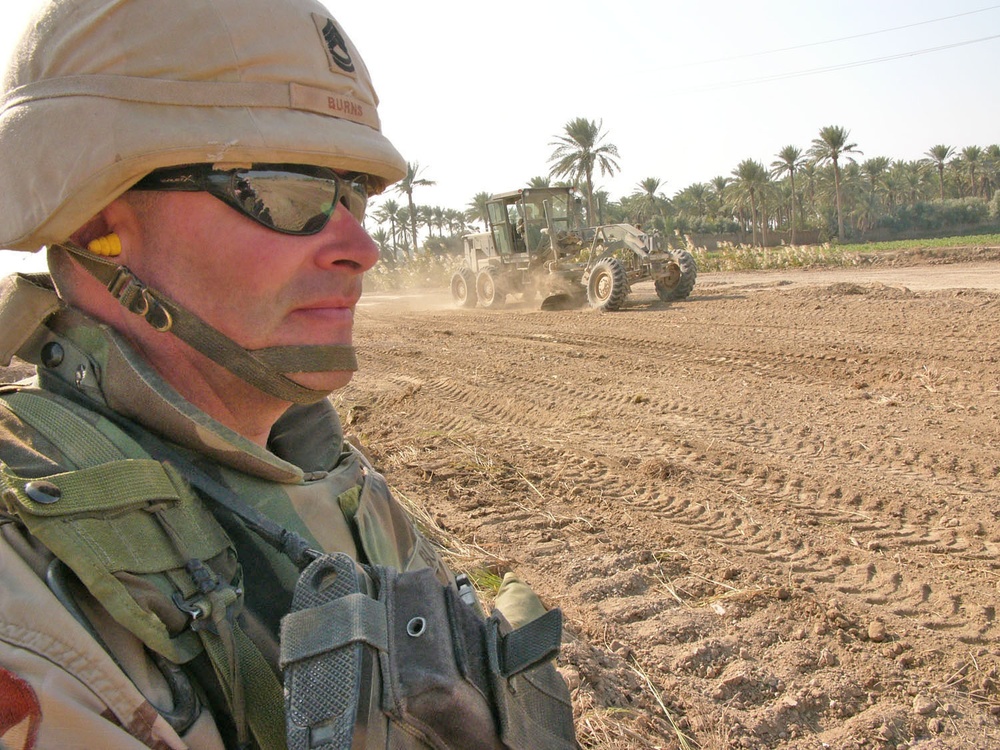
[100,92]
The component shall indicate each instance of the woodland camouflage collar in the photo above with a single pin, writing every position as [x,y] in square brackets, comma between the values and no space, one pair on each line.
[93,360]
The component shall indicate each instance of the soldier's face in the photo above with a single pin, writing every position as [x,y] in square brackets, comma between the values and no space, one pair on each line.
[257,286]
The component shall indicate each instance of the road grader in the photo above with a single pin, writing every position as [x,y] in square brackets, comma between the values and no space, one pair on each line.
[536,247]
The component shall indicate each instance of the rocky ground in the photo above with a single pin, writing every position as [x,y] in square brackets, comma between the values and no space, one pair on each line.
[769,513]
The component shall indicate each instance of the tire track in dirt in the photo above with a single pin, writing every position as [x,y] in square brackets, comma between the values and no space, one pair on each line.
[543,395]
[546,400]
[663,486]
[487,418]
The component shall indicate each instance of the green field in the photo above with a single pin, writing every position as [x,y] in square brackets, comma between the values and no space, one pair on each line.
[745,258]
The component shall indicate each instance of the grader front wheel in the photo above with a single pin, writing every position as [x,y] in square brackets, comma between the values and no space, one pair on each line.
[679,284]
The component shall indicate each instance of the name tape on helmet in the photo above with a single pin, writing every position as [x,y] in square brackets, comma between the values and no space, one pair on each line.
[335,105]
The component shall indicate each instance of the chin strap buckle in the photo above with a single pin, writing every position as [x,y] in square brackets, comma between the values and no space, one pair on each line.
[136,297]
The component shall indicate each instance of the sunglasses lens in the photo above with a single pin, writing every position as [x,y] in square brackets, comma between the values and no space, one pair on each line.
[287,199]
[292,202]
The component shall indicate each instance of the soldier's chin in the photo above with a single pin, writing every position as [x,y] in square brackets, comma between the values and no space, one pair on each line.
[322,381]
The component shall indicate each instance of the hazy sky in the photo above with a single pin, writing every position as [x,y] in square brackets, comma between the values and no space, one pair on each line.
[686,90]
[476,92]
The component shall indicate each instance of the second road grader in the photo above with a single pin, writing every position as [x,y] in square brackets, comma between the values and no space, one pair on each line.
[535,248]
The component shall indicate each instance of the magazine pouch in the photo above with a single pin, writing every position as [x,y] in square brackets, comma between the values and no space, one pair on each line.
[377,658]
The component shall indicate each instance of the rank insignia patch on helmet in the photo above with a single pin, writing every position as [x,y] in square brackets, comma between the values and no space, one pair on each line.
[336,45]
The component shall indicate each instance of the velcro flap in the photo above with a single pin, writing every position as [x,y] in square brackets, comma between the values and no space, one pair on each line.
[532,643]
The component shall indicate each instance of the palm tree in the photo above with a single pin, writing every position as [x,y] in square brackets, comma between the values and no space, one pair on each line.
[874,170]
[385,251]
[632,210]
[477,211]
[906,182]
[811,175]
[691,206]
[789,160]
[992,177]
[437,217]
[389,211]
[852,188]
[539,182]
[718,185]
[404,232]
[938,156]
[455,221]
[750,183]
[829,147]
[972,158]
[578,151]
[405,186]
[652,199]
[425,218]
[876,173]
[603,199]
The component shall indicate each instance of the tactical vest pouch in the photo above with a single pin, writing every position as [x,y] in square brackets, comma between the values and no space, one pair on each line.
[450,680]
[100,520]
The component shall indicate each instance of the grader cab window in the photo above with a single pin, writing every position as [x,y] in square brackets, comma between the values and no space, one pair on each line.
[531,225]
[535,225]
[559,212]
[502,229]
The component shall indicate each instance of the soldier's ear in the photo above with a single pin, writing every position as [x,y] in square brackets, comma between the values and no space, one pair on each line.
[96,227]
[116,230]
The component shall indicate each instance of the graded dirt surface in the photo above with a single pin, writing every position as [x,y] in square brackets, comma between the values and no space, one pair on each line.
[769,512]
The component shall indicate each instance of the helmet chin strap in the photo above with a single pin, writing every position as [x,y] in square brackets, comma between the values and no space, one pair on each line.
[264,369]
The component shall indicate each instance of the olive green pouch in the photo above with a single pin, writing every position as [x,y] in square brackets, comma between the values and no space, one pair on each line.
[128,526]
[116,526]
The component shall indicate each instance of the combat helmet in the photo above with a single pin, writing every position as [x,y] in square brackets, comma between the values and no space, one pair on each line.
[98,93]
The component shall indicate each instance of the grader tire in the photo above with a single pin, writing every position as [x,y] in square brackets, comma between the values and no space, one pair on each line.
[682,289]
[463,288]
[489,289]
[608,285]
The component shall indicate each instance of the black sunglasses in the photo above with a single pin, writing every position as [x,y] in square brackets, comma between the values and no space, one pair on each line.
[288,198]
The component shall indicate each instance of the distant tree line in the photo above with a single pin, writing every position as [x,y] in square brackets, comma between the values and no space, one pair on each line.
[825,190]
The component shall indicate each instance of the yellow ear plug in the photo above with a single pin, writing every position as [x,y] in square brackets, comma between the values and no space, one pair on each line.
[108,245]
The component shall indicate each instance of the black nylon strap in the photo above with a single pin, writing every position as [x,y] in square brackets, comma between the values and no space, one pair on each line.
[353,618]
[288,542]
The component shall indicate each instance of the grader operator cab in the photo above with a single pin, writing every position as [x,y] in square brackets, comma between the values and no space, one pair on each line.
[536,246]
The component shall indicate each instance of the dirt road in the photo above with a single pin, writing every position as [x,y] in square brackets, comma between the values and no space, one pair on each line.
[769,512]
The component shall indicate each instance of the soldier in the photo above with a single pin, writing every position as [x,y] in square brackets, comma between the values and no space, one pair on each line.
[191,556]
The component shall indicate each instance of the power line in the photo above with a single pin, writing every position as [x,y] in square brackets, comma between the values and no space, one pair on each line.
[838,39]
[843,66]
